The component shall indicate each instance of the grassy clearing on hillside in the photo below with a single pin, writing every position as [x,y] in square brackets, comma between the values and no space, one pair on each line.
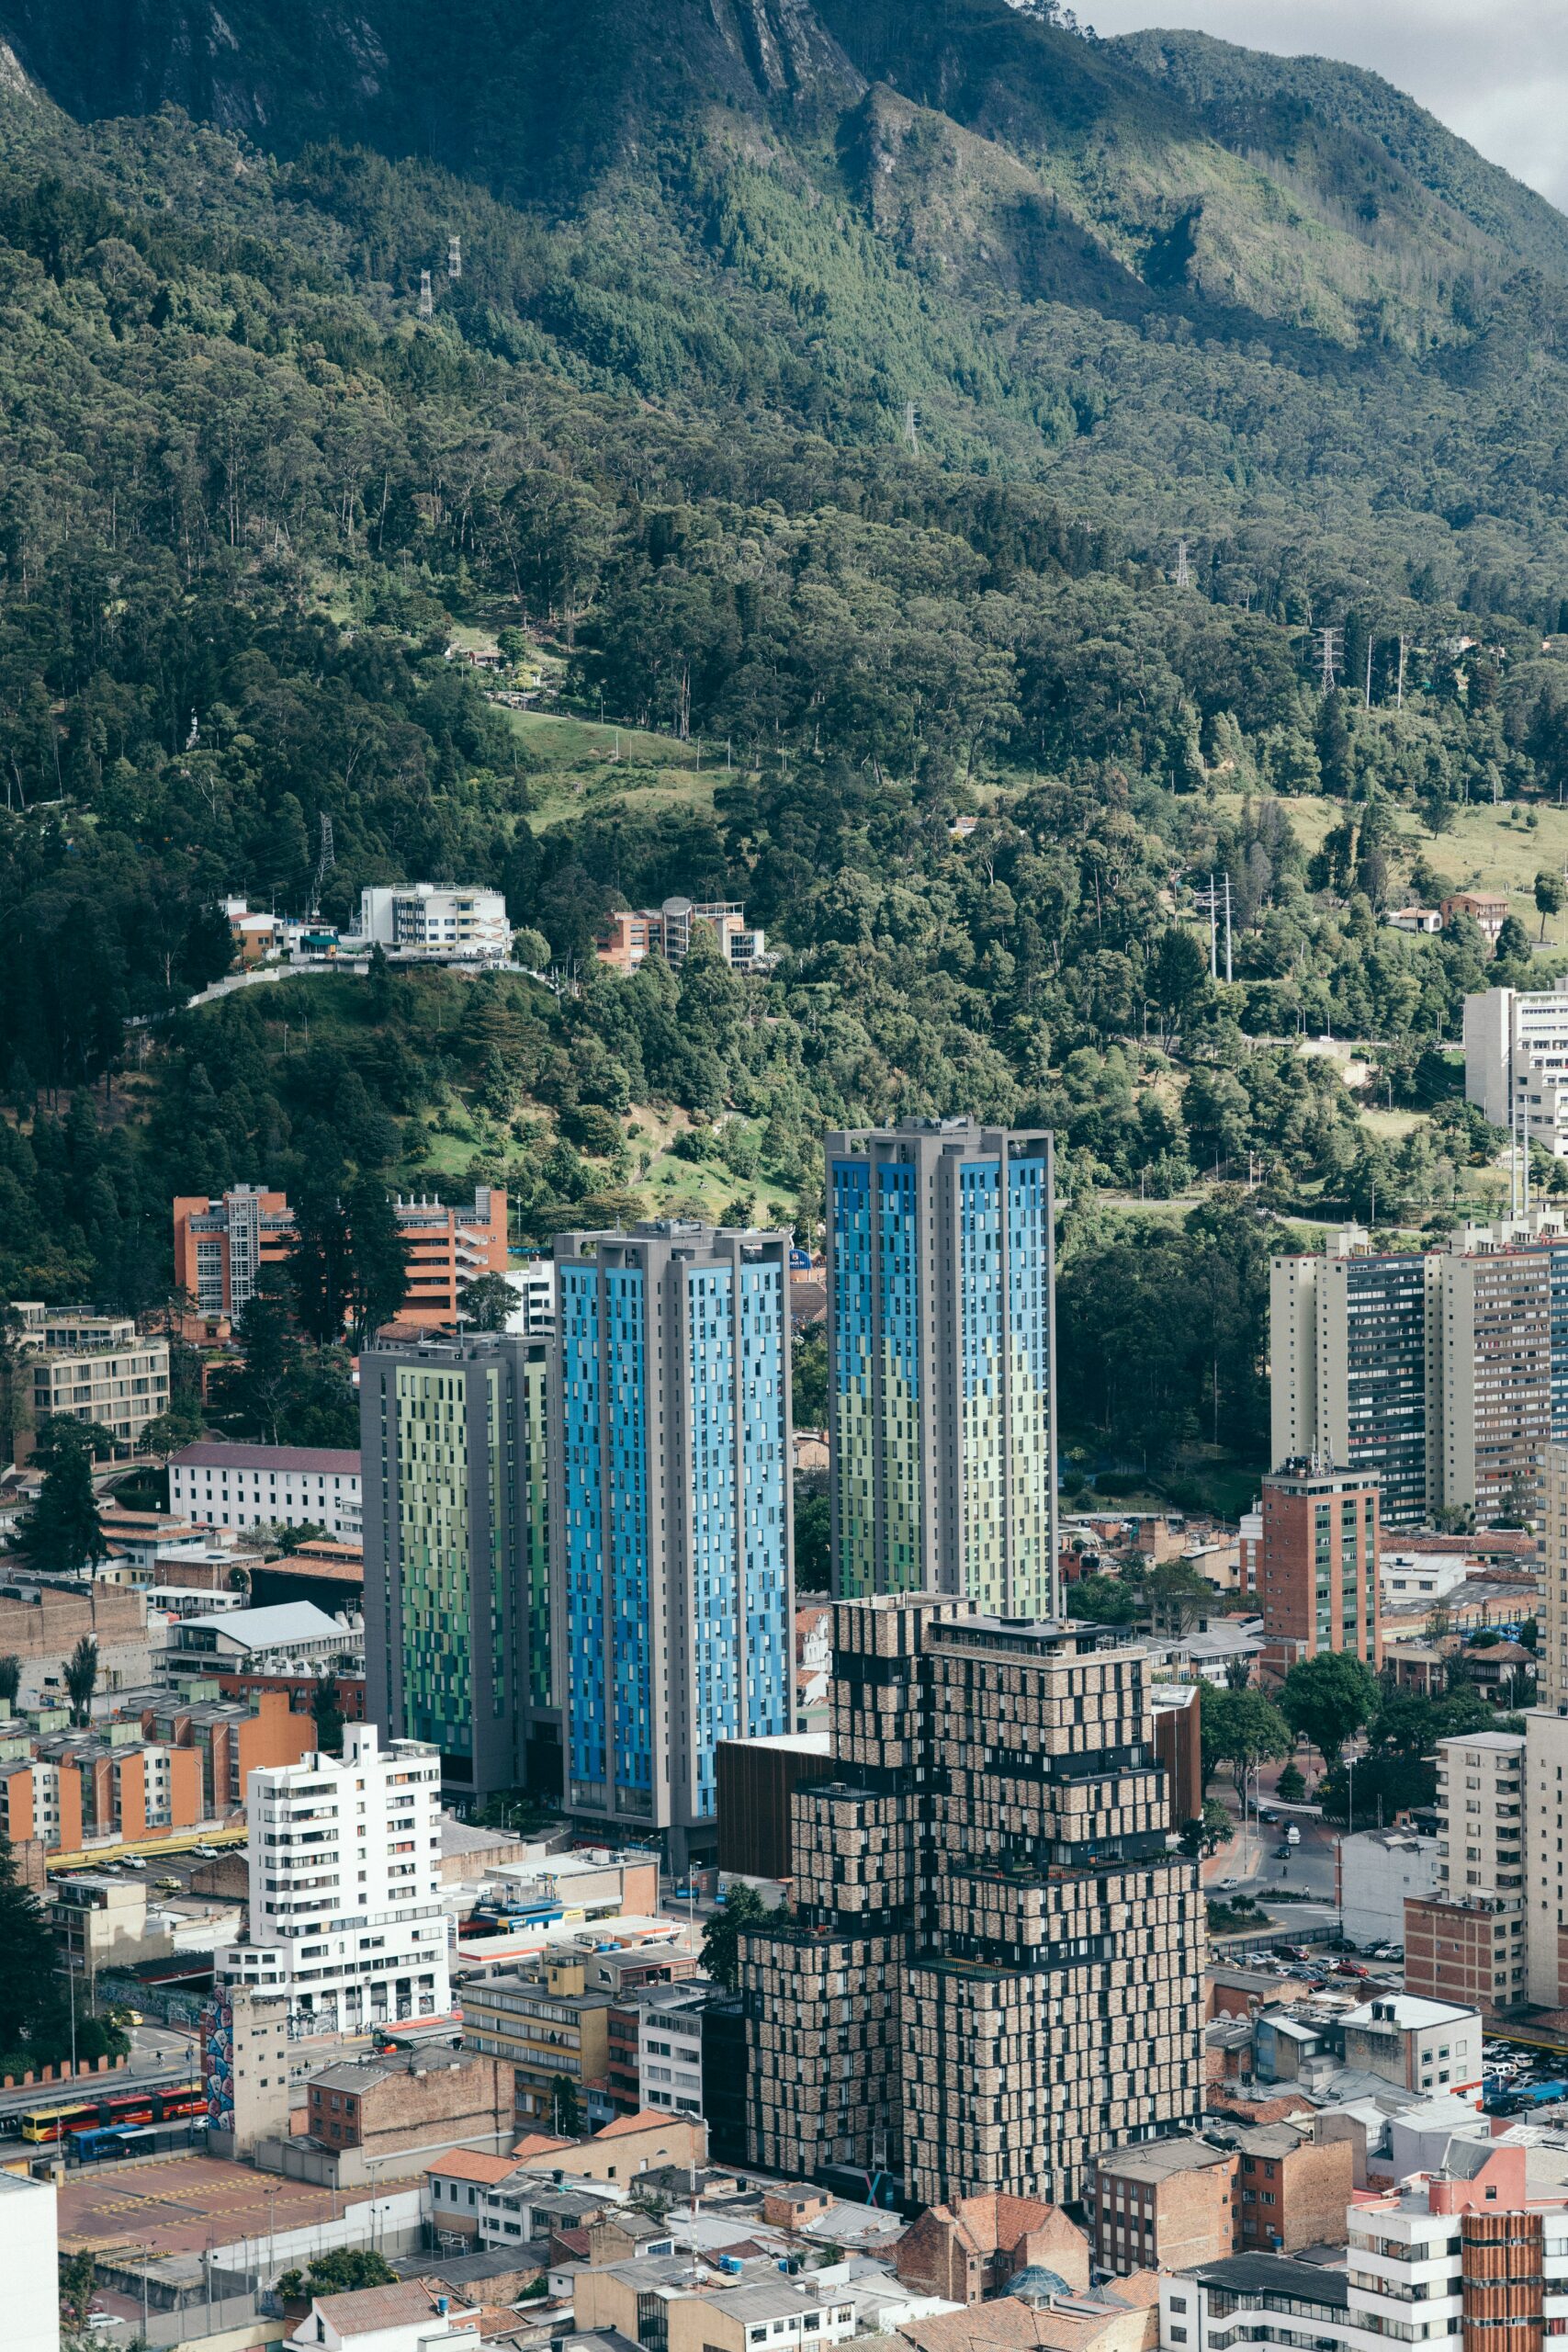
[592,767]
[1486,848]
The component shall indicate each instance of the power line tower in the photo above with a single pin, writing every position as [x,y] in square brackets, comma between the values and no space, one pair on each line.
[426,299]
[1331,656]
[325,862]
[454,258]
[1183,565]
[911,438]
[1213,901]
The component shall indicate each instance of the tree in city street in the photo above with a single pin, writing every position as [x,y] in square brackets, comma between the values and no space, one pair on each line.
[1329,1698]
[1291,1788]
[1178,1597]
[1240,1728]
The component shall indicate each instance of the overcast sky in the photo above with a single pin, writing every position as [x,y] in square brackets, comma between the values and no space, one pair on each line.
[1495,71]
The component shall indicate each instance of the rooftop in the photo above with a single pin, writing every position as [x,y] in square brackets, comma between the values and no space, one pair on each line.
[1405,2011]
[332,1462]
[261,1629]
[1276,2274]
[1162,2158]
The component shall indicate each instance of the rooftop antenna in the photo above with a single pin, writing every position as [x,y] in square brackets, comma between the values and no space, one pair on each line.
[1183,565]
[911,438]
[454,258]
[426,299]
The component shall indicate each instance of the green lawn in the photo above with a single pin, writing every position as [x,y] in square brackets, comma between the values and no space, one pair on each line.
[588,767]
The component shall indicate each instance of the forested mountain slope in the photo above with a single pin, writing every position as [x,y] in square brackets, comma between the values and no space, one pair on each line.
[978,744]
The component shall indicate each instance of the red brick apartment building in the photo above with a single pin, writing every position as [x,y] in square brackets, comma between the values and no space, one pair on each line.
[1319,1566]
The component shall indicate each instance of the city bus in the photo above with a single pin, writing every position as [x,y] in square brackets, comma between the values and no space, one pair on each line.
[116,2107]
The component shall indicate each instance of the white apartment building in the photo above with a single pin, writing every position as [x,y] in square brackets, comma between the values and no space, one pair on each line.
[1425,2262]
[670,2047]
[269,1486]
[534,1316]
[1546,1755]
[1480,1855]
[345,1914]
[1516,1059]
[29,2264]
[417,920]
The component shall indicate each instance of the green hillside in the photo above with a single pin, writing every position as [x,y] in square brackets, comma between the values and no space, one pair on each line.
[814,416]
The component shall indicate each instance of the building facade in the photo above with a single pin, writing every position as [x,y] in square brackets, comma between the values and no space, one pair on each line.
[418,921]
[672,1532]
[225,1247]
[627,936]
[458,1618]
[993,1972]
[942,1363]
[1465,1943]
[80,1366]
[346,1917]
[1515,1060]
[1320,1589]
[450,1244]
[1445,1371]
[1352,1363]
[219,1485]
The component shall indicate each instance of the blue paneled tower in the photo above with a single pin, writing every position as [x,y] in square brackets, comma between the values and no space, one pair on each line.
[672,1542]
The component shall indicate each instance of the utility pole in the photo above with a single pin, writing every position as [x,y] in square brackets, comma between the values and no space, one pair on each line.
[1399,690]
[1227,929]
[1368,669]
[1330,650]
[1213,939]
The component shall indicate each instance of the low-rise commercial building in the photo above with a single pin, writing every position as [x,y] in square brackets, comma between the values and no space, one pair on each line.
[1433,2047]
[969,2251]
[548,2025]
[1376,1871]
[292,1639]
[372,2111]
[790,2314]
[626,936]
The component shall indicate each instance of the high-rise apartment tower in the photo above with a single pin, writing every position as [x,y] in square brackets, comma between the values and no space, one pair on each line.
[942,1363]
[457,1647]
[994,1973]
[672,1516]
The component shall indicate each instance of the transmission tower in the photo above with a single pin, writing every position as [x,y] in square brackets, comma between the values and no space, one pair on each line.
[426,299]
[326,860]
[454,258]
[1183,565]
[1331,655]
[911,438]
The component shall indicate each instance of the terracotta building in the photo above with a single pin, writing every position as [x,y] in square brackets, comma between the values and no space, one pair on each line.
[969,2250]
[1164,2206]
[1288,2190]
[1319,1566]
[223,1247]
